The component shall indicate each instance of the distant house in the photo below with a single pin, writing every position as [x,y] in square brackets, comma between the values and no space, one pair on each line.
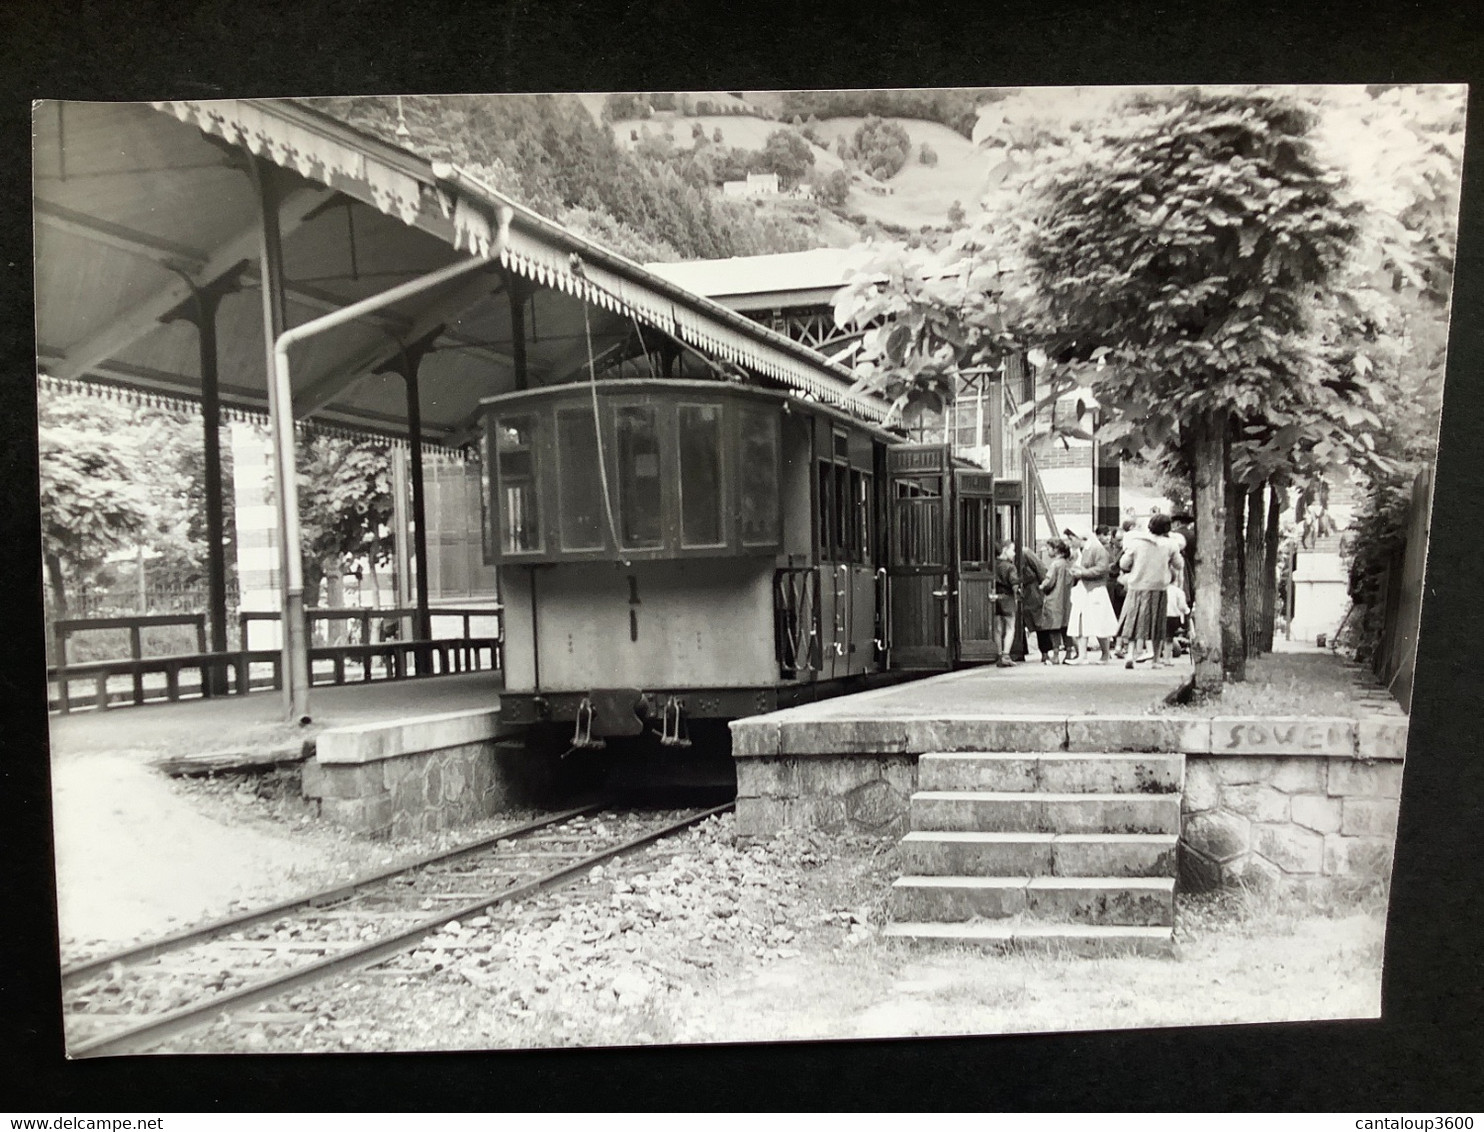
[756,185]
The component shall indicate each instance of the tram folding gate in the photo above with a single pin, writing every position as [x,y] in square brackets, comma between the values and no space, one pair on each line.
[919,562]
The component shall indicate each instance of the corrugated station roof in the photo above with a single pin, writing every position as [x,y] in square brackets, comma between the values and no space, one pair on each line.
[137,204]
[751,282]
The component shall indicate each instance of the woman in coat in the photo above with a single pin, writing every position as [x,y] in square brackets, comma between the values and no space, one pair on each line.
[1056,591]
[1148,563]
[1006,598]
[1032,574]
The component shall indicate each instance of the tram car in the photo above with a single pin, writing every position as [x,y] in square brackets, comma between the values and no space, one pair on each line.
[675,553]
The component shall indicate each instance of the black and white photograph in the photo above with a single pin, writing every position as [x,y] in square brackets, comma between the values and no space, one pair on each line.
[684,568]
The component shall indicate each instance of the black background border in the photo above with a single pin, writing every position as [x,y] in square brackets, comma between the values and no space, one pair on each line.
[1424,1056]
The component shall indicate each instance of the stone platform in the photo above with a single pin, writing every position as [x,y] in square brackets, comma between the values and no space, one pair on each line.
[852,761]
[1303,802]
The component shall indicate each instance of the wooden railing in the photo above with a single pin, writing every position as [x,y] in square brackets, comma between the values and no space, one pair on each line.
[395,656]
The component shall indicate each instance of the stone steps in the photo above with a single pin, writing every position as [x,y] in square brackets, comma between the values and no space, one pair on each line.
[1121,901]
[1067,850]
[1056,772]
[1013,811]
[1076,939]
[976,853]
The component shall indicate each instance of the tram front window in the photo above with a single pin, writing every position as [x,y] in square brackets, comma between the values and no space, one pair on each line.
[639,485]
[580,489]
[700,475]
[759,474]
[520,528]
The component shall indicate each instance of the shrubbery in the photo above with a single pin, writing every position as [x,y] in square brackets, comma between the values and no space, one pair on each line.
[881,148]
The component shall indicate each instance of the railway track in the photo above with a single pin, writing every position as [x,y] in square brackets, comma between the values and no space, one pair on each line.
[131,1000]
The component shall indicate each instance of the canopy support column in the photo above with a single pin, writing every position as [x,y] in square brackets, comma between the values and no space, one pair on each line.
[518,291]
[406,364]
[201,312]
[295,640]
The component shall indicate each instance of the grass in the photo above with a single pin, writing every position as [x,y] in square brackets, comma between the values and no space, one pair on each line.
[1284,683]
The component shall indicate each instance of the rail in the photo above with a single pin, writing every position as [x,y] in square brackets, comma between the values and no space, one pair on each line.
[132,1000]
[393,657]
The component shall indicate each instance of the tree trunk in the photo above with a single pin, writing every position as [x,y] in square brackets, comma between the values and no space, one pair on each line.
[1233,644]
[1207,454]
[58,582]
[1254,552]
[335,599]
[1277,500]
[375,575]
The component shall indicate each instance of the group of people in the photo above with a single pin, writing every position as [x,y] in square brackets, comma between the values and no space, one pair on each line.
[1128,590]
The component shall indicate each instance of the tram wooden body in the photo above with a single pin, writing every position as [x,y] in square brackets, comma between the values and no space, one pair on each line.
[679,553]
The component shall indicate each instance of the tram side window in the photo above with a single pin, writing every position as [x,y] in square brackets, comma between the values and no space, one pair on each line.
[520,527]
[864,539]
[640,496]
[486,493]
[827,504]
[845,550]
[580,491]
[700,475]
[758,470]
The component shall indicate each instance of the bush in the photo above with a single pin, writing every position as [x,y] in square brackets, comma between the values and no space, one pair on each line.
[927,155]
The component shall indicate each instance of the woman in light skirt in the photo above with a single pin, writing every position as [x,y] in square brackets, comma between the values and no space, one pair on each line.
[1091,614]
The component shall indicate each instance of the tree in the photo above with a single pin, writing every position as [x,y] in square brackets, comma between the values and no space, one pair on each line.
[92,499]
[956,214]
[927,313]
[786,153]
[927,155]
[345,506]
[1174,256]
[882,147]
[833,189]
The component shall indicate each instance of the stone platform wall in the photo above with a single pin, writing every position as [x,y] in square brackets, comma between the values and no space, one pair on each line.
[1300,803]
[1304,802]
[416,775]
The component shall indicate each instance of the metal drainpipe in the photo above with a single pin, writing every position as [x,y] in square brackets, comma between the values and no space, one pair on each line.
[294,581]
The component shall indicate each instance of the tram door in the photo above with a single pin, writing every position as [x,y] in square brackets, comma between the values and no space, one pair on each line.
[978,537]
[918,558]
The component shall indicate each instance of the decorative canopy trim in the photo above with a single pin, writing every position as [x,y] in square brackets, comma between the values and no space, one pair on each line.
[298,145]
[231,414]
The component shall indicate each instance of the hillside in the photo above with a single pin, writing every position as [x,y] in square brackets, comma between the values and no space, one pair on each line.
[918,196]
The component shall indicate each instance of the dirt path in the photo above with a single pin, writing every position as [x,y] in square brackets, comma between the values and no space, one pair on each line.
[137,854]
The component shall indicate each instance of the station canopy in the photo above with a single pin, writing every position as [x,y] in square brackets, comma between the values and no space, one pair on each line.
[139,205]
